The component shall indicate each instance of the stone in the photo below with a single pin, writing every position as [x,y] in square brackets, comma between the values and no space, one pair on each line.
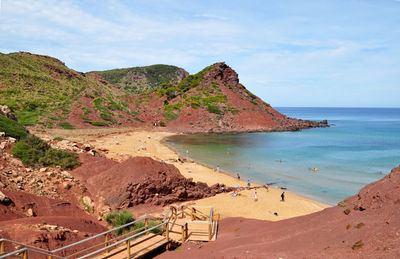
[67,186]
[4,110]
[87,200]
[3,145]
[4,199]
[2,185]
[52,227]
[12,140]
[87,147]
[31,213]
[67,175]
[19,179]
[42,170]
[2,134]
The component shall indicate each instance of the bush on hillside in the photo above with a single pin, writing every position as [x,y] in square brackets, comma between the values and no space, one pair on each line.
[12,128]
[35,152]
[117,219]
[214,109]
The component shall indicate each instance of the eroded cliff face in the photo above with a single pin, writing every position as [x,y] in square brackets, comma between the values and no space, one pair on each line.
[366,225]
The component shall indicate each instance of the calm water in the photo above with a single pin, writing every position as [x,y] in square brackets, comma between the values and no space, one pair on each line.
[349,155]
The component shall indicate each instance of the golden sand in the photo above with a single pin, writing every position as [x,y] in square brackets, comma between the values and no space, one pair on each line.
[141,143]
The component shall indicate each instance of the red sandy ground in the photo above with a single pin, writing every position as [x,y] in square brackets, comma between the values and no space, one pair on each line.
[373,222]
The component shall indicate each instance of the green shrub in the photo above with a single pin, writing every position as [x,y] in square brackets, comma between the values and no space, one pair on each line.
[28,118]
[12,128]
[58,138]
[86,110]
[106,116]
[162,124]
[214,109]
[98,123]
[66,125]
[117,219]
[37,153]
[88,208]
[169,115]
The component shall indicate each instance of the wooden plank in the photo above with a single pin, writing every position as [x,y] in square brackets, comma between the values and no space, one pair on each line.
[138,247]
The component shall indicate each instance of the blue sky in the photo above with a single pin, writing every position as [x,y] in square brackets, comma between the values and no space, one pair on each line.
[289,53]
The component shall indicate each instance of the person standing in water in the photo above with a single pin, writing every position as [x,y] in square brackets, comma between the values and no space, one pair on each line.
[238,176]
[283,196]
[248,183]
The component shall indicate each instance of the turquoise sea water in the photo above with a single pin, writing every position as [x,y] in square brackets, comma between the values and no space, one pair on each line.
[349,155]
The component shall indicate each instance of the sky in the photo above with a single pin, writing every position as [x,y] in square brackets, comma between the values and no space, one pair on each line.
[310,53]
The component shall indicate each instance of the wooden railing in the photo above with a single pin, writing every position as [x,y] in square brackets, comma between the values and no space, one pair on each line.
[107,241]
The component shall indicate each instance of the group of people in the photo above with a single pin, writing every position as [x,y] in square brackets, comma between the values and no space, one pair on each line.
[256,196]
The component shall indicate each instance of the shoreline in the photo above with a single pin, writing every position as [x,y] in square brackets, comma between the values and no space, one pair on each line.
[126,143]
[121,146]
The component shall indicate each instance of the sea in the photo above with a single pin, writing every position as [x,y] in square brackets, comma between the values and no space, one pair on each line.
[361,146]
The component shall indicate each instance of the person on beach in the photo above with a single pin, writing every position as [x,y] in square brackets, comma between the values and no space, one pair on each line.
[248,183]
[248,166]
[238,177]
[267,187]
[255,196]
[283,196]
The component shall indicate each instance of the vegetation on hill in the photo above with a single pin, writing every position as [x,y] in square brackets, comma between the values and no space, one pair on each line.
[117,219]
[33,151]
[143,79]
[42,90]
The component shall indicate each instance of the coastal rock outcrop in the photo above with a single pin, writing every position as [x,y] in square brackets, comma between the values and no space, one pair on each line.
[366,225]
[139,180]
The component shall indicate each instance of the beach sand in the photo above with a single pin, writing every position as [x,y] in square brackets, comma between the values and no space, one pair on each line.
[141,143]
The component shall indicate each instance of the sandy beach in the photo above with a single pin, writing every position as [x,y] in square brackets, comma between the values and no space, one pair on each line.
[268,207]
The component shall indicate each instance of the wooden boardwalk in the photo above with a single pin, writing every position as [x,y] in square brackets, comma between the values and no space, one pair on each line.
[137,248]
[180,224]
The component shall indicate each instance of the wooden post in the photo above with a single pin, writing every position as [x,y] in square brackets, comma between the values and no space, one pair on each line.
[49,257]
[183,214]
[2,247]
[193,212]
[183,235]
[107,243]
[146,224]
[209,232]
[167,234]
[186,230]
[128,248]
[25,255]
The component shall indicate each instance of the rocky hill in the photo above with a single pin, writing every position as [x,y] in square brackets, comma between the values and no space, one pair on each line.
[212,100]
[42,91]
[366,225]
[143,79]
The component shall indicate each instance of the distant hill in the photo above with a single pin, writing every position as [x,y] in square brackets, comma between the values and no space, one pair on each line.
[141,79]
[42,91]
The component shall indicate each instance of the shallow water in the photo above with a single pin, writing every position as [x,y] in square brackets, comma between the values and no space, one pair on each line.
[349,155]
